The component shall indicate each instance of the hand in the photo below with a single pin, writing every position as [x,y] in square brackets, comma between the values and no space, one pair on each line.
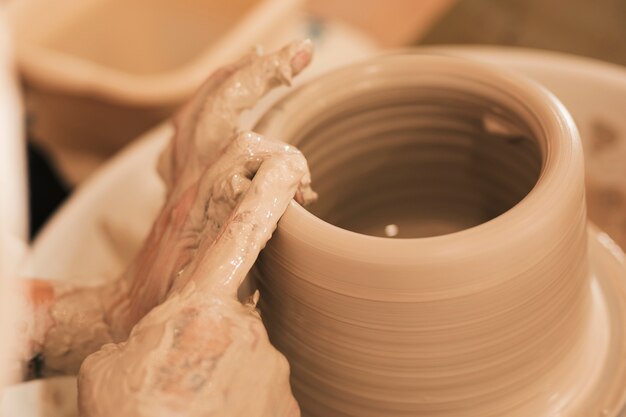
[206,124]
[204,128]
[81,319]
[201,352]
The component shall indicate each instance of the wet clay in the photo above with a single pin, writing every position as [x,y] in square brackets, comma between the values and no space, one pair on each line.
[481,303]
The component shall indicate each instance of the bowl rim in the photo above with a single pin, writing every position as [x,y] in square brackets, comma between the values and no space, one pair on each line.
[59,71]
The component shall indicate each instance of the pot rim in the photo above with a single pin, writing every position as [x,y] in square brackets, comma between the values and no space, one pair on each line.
[559,184]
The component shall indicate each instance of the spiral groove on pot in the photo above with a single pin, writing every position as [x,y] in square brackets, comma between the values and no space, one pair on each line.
[418,159]
[483,301]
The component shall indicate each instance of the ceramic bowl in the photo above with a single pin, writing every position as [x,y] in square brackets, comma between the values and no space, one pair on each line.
[97,73]
[444,270]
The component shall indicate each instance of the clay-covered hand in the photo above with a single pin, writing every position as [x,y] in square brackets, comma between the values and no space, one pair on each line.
[204,129]
[205,125]
[202,352]
[78,320]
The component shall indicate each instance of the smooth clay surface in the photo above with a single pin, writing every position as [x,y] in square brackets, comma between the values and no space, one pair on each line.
[482,303]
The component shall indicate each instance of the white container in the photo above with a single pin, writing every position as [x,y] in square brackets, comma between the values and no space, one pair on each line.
[97,73]
[13,200]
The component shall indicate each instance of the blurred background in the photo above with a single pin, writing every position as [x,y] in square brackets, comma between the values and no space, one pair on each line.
[135,39]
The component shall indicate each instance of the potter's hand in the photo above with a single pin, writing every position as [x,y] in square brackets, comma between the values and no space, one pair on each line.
[202,352]
[79,320]
[210,120]
[204,129]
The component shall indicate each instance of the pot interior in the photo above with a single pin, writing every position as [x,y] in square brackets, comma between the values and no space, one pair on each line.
[417,162]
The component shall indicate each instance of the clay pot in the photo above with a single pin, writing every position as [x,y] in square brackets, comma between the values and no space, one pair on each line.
[481,305]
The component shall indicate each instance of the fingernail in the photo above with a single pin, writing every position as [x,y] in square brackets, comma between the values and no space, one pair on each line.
[302,57]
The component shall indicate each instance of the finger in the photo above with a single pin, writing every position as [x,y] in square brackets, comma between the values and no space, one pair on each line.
[207,124]
[263,73]
[230,176]
[222,185]
[224,264]
[184,121]
[244,88]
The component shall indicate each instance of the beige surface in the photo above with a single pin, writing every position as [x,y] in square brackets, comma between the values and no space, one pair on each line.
[595,29]
[391,22]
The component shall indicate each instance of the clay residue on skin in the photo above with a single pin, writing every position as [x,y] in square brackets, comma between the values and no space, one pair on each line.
[176,340]
[79,328]
[201,352]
